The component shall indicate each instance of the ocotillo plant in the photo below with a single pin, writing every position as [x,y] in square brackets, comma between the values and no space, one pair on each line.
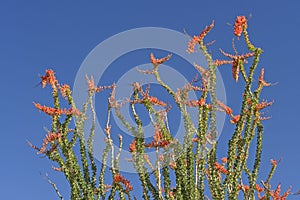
[193,163]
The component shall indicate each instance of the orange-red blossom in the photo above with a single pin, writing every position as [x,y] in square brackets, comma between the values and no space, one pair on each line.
[275,194]
[199,38]
[221,168]
[261,78]
[228,111]
[158,61]
[234,61]
[161,144]
[244,187]
[50,137]
[195,103]
[120,179]
[239,25]
[225,108]
[49,78]
[56,111]
[132,146]
[64,89]
[156,101]
[157,134]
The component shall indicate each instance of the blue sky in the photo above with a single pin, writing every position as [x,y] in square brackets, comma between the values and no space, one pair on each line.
[36,35]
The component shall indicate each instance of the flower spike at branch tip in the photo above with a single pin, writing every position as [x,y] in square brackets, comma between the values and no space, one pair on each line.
[53,111]
[158,61]
[49,78]
[197,39]
[239,25]
[261,79]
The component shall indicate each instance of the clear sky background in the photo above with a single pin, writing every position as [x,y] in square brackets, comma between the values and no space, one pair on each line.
[36,35]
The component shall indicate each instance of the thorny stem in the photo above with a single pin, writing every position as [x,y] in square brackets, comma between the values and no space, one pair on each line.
[191,162]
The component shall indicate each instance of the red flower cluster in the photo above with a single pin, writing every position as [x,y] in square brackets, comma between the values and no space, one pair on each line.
[197,39]
[235,119]
[258,188]
[54,111]
[224,160]
[64,90]
[225,108]
[263,105]
[245,188]
[234,61]
[158,61]
[120,179]
[160,144]
[91,84]
[50,137]
[195,103]
[239,25]
[275,194]
[221,168]
[261,78]
[92,87]
[157,134]
[155,101]
[195,139]
[235,70]
[132,146]
[192,43]
[49,78]
[222,62]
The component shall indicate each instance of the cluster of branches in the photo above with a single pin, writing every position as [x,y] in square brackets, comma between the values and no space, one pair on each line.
[193,162]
